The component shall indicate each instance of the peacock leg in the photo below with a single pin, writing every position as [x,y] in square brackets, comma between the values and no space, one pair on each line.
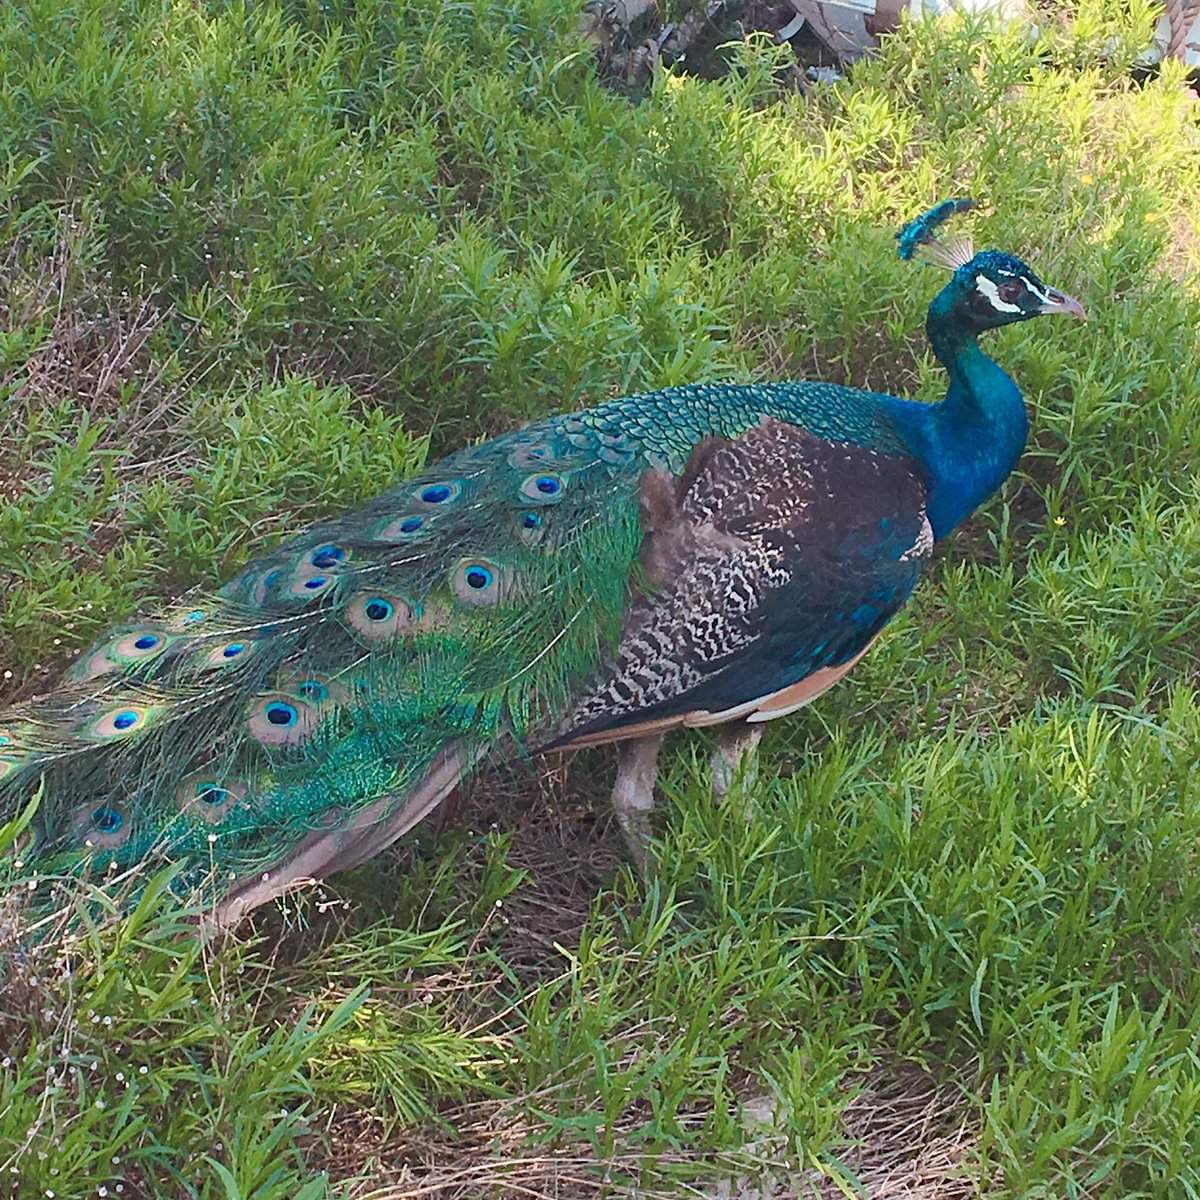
[735,761]
[633,794]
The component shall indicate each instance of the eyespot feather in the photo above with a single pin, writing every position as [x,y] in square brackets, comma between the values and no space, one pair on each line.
[120,722]
[379,616]
[101,825]
[479,582]
[208,797]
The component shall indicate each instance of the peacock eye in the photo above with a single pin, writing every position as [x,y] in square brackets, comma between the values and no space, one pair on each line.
[377,616]
[312,691]
[211,793]
[106,820]
[1011,291]
[441,492]
[544,488]
[101,828]
[478,582]
[282,714]
[208,798]
[119,722]
[226,654]
[327,556]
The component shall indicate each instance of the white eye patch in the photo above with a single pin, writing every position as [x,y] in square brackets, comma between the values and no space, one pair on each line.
[992,292]
[1035,291]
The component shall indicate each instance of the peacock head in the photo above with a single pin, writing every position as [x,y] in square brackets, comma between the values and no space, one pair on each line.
[993,289]
[988,289]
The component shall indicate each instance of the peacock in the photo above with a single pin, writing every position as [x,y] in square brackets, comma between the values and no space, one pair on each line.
[702,555]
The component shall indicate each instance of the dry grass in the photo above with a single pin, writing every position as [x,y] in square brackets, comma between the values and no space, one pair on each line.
[904,1136]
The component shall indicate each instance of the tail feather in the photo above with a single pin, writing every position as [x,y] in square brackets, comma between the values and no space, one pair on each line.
[351,842]
[327,697]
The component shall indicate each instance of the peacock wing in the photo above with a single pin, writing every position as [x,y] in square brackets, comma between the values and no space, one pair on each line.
[769,569]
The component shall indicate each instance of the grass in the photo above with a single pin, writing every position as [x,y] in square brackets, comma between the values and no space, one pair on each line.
[261,259]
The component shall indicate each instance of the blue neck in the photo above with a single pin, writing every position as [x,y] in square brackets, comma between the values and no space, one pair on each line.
[971,440]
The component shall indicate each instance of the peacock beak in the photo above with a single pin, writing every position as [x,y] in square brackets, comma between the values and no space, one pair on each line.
[1060,302]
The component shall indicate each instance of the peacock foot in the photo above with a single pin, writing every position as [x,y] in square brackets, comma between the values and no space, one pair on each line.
[735,764]
[633,796]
